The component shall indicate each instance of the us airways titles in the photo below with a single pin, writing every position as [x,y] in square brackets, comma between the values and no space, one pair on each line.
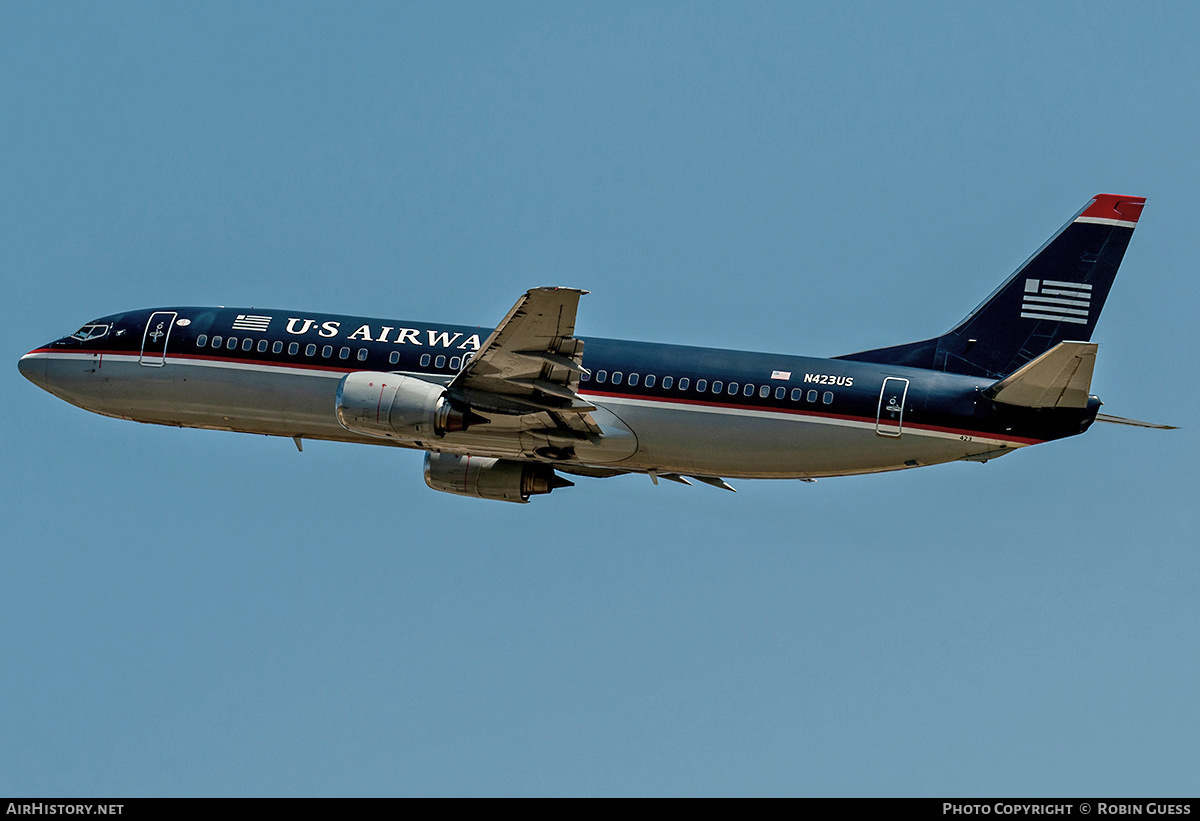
[387,333]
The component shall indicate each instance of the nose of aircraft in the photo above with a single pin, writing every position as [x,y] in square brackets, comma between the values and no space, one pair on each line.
[33,368]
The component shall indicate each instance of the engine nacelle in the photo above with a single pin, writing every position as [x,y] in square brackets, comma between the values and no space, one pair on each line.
[398,407]
[504,480]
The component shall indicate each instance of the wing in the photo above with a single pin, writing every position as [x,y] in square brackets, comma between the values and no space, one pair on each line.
[531,364]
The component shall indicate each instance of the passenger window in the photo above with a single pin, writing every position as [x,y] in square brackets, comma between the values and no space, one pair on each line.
[701,384]
[277,347]
[394,357]
[633,379]
[812,396]
[440,362]
[455,363]
[201,340]
[262,345]
[669,380]
[780,392]
[601,376]
[585,376]
[310,349]
[617,377]
[293,348]
[362,354]
[717,385]
[232,343]
[733,388]
[326,351]
[650,381]
[749,390]
[247,344]
[424,360]
[343,353]
[216,342]
[827,397]
[764,391]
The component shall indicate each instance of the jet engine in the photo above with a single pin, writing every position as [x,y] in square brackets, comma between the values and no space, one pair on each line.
[399,407]
[505,480]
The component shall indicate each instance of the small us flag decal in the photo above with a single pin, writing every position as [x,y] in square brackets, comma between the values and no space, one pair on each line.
[1056,301]
[249,322]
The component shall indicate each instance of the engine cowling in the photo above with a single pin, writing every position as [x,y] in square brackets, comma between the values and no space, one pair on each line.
[504,480]
[391,406]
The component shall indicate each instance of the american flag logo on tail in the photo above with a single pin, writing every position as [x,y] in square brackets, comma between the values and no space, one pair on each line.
[1056,301]
[250,322]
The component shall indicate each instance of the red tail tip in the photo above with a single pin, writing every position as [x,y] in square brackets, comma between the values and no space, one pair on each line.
[1115,207]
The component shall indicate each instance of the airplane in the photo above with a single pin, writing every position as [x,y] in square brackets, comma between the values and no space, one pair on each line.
[504,413]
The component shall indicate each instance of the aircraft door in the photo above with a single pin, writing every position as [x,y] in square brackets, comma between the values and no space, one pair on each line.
[154,340]
[890,418]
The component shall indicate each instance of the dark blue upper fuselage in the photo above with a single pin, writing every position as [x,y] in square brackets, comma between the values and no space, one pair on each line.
[649,371]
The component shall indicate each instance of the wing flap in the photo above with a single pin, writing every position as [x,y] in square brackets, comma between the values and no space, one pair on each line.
[531,363]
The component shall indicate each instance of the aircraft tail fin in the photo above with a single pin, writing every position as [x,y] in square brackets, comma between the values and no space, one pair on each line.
[1057,295]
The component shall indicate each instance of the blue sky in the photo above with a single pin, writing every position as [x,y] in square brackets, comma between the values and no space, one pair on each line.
[200,613]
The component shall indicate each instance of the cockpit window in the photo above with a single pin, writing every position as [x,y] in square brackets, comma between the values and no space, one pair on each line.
[92,331]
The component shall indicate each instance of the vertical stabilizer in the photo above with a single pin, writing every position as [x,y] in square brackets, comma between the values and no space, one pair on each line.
[1057,295]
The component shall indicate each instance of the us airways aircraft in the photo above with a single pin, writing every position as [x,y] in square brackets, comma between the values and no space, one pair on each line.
[502,413]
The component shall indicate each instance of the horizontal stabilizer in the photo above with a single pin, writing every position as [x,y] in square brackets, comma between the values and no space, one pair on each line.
[1137,423]
[1059,378]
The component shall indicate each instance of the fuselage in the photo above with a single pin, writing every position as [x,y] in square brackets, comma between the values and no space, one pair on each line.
[664,408]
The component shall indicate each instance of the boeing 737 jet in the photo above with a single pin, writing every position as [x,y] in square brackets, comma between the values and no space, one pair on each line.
[502,414]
